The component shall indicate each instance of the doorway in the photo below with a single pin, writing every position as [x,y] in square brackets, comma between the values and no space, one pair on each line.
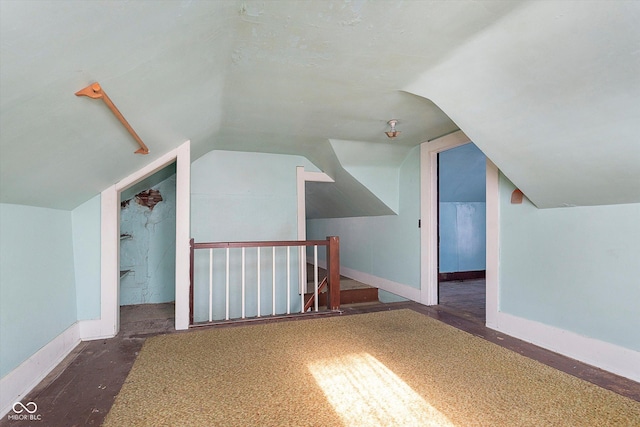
[461,195]
[147,253]
[108,324]
[429,219]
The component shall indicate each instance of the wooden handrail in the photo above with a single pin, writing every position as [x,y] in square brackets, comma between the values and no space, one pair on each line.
[94,91]
[260,244]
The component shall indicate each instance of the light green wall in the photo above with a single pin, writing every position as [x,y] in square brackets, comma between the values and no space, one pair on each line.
[375,166]
[85,221]
[238,196]
[37,289]
[573,268]
[383,246]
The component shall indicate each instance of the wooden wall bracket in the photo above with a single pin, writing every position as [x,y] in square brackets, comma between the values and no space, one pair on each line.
[516,197]
[95,91]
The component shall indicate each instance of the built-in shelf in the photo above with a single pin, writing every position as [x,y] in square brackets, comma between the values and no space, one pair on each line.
[124,273]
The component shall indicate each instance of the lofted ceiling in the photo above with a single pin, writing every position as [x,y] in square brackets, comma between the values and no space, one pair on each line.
[550,91]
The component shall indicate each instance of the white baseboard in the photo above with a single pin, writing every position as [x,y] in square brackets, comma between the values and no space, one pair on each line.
[17,383]
[96,330]
[399,289]
[610,357]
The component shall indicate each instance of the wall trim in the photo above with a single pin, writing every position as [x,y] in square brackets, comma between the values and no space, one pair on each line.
[20,381]
[492,234]
[94,330]
[396,288]
[610,357]
[429,212]
[302,177]
[183,233]
[109,323]
[399,289]
[461,275]
[429,230]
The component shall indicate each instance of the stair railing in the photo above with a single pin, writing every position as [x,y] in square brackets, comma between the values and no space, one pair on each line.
[234,272]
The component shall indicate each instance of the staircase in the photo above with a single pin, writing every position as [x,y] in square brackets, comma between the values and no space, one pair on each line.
[351,291]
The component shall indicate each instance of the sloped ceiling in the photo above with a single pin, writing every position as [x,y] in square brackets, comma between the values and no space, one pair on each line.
[551,94]
[548,90]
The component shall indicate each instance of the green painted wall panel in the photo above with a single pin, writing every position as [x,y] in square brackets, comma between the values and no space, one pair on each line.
[86,253]
[573,268]
[238,196]
[37,287]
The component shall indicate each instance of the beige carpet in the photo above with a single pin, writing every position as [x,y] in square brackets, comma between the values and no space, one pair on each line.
[393,368]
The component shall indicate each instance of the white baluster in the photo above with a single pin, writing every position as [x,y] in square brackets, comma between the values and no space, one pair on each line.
[258,281]
[210,284]
[302,281]
[273,281]
[243,283]
[227,288]
[288,281]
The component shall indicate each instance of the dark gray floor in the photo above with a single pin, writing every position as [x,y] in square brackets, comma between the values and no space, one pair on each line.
[467,298]
[147,319]
[81,389]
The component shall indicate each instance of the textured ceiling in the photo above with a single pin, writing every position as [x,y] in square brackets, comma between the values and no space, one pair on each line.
[548,90]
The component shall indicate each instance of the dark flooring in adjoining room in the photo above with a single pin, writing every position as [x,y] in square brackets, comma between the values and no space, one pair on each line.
[467,298]
[144,319]
[81,390]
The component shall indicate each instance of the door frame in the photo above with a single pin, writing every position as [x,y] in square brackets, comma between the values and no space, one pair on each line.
[302,177]
[108,324]
[429,230]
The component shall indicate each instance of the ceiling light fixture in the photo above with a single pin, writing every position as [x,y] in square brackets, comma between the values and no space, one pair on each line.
[393,132]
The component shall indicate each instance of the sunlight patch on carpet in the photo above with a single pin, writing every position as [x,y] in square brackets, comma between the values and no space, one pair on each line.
[363,391]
